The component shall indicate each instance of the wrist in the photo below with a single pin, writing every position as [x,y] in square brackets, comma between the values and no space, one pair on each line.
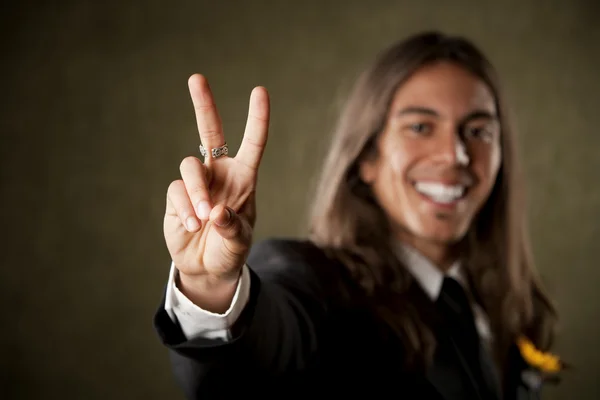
[209,292]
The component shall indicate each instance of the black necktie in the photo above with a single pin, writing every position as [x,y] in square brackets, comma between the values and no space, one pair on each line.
[456,309]
[459,322]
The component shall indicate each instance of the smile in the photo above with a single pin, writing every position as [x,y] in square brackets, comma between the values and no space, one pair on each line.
[441,193]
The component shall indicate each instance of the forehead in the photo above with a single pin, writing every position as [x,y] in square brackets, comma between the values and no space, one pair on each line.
[446,88]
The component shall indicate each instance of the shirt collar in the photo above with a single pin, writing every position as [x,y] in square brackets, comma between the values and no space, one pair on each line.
[426,273]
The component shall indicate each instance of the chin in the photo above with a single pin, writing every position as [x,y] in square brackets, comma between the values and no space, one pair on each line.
[445,239]
[447,235]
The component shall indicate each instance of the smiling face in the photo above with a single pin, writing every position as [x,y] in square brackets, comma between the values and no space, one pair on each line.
[437,157]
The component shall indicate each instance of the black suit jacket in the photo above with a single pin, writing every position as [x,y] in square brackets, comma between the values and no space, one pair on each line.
[306,331]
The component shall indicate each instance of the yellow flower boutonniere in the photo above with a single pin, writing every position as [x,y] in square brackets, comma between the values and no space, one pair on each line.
[546,363]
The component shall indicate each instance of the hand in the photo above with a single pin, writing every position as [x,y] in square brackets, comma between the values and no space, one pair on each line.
[211,211]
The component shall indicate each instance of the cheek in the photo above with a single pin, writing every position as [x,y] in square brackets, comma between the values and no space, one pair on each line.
[494,163]
[488,165]
[397,162]
[497,159]
[392,184]
[399,159]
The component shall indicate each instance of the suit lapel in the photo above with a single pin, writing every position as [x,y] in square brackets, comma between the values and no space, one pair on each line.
[452,382]
[448,380]
[521,381]
[490,372]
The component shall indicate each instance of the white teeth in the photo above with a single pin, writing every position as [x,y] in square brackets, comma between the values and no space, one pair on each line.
[439,192]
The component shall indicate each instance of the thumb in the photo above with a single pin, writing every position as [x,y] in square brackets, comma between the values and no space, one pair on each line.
[230,226]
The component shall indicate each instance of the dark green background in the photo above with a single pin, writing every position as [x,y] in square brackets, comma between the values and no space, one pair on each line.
[96,117]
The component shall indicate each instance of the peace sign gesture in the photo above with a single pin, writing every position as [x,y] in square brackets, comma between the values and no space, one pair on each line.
[211,211]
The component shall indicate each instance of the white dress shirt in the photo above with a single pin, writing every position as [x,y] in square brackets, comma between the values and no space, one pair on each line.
[431,280]
[196,322]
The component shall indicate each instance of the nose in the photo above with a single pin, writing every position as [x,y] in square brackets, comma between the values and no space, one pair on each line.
[453,150]
[461,155]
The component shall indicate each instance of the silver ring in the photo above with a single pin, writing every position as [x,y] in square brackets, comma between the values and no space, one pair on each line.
[216,152]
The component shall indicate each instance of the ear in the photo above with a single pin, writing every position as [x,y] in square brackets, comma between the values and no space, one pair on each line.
[368,170]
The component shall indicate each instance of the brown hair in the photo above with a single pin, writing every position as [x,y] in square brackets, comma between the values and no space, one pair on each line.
[348,223]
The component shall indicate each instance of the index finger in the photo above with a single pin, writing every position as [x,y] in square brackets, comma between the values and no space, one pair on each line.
[207,116]
[257,129]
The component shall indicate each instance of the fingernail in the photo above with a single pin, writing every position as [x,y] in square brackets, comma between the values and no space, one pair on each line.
[224,221]
[203,210]
[192,224]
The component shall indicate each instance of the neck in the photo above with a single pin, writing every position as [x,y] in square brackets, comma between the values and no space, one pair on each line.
[442,255]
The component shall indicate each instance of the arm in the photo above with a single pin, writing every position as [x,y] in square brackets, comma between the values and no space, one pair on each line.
[195,321]
[275,336]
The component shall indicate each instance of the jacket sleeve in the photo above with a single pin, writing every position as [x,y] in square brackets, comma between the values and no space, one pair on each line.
[276,336]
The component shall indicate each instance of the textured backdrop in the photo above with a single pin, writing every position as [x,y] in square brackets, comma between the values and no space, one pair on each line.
[96,117]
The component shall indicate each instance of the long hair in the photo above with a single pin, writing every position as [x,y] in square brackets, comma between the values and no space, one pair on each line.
[348,223]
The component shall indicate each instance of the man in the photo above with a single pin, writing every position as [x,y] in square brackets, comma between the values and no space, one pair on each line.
[417,280]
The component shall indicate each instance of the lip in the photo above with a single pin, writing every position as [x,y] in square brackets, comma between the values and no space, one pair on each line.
[444,206]
[465,181]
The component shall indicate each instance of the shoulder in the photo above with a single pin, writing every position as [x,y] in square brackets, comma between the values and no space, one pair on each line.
[280,250]
[290,257]
[298,262]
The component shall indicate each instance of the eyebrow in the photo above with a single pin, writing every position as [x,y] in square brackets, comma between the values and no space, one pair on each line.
[477,114]
[417,110]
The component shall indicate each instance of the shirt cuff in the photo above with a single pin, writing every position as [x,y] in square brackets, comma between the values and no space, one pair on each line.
[196,322]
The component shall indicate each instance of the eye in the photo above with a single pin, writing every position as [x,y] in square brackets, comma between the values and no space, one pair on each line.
[479,132]
[420,128]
